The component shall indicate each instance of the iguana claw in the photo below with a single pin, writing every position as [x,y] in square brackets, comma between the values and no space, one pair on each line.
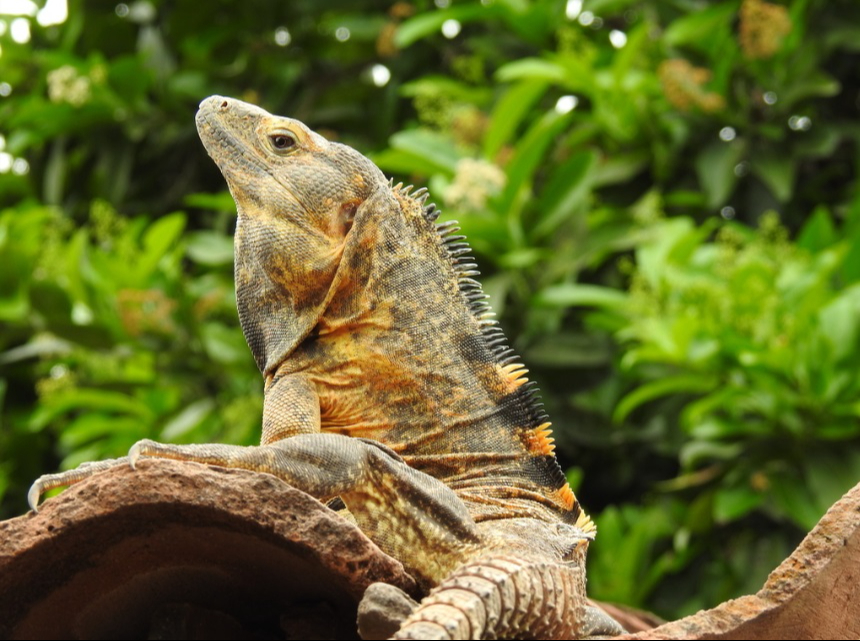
[49,482]
[134,453]
[34,494]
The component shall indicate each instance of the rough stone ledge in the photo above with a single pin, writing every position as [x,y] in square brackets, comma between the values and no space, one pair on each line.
[813,594]
[180,550]
[176,549]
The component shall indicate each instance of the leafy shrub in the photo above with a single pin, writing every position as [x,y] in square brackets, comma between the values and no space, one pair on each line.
[748,344]
[118,336]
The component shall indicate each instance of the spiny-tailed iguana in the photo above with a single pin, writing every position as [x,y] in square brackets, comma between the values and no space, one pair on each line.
[364,317]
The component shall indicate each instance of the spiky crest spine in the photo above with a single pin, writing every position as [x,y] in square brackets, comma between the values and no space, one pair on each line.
[459,253]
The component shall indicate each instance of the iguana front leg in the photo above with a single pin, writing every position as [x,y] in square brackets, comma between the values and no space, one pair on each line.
[412,516]
[291,406]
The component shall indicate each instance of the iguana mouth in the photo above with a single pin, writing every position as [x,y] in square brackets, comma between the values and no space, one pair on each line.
[217,139]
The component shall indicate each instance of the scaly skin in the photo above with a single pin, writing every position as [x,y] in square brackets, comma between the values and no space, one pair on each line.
[365,321]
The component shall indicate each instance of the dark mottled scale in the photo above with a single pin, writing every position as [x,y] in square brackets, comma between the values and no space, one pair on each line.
[522,411]
[493,422]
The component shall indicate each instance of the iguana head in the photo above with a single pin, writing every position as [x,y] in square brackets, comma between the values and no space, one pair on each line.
[296,195]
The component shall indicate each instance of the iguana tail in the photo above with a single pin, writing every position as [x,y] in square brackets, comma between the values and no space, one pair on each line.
[504,596]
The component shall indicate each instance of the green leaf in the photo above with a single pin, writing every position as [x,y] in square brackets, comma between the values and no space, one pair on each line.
[818,232]
[529,154]
[220,201]
[695,453]
[689,383]
[426,24]
[573,294]
[210,248]
[609,7]
[404,163]
[361,25]
[815,84]
[653,258]
[698,29]
[715,167]
[851,263]
[732,503]
[574,477]
[442,85]
[159,237]
[793,498]
[509,112]
[3,387]
[777,172]
[618,169]
[830,474]
[41,345]
[437,152]
[840,322]
[14,306]
[845,36]
[566,349]
[522,258]
[92,427]
[224,344]
[684,198]
[567,192]
[532,69]
[129,78]
[90,399]
[187,419]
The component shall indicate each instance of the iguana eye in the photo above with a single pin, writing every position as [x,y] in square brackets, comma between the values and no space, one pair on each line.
[282,141]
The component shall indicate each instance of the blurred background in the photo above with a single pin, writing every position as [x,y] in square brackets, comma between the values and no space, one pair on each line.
[662,196]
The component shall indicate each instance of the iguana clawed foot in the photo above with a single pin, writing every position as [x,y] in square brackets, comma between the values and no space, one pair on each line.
[48,482]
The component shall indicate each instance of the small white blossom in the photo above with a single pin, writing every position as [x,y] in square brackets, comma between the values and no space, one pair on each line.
[474,183]
[65,84]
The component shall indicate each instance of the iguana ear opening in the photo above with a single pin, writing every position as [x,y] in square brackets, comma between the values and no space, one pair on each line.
[346,215]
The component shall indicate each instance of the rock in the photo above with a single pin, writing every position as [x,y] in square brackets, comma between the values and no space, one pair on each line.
[814,594]
[176,548]
[382,611]
[181,550]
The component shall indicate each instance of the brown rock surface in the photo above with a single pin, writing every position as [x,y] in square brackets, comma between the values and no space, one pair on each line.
[180,550]
[813,594]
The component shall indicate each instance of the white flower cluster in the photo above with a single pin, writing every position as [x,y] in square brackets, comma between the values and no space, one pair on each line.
[474,183]
[65,84]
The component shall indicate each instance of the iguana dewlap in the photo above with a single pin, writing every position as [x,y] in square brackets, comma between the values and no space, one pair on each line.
[365,320]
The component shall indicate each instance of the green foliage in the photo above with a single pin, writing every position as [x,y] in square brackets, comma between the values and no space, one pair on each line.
[616,166]
[751,344]
[120,338]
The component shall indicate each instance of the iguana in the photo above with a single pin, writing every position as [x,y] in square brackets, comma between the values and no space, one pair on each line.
[388,384]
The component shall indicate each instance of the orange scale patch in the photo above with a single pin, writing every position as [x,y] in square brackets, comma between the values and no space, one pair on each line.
[539,441]
[515,374]
[566,496]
